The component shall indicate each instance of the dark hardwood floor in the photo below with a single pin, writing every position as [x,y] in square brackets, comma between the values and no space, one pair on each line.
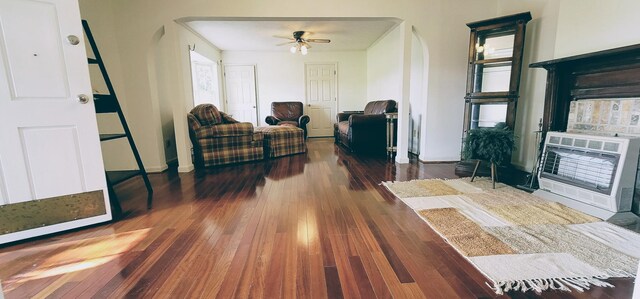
[313,225]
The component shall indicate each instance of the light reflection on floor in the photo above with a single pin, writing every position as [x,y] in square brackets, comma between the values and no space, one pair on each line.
[76,256]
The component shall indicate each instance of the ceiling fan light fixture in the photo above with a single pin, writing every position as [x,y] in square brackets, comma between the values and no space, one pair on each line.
[301,42]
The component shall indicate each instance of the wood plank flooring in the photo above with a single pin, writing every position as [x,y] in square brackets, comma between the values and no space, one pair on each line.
[314,225]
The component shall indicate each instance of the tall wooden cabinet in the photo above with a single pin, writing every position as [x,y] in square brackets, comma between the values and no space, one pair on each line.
[493,74]
[493,77]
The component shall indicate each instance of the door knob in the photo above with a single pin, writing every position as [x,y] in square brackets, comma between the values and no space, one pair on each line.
[74,40]
[83,99]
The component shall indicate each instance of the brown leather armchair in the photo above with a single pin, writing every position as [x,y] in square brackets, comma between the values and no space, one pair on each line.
[365,131]
[288,114]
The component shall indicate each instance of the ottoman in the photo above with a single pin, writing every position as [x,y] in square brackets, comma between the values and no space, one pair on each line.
[282,140]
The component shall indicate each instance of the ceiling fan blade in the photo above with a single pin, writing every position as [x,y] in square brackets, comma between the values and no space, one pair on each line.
[283,36]
[282,44]
[306,34]
[307,45]
[319,40]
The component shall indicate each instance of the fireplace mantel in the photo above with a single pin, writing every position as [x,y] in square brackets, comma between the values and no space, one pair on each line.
[613,73]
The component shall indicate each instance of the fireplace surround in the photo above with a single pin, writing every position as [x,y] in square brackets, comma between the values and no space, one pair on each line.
[604,75]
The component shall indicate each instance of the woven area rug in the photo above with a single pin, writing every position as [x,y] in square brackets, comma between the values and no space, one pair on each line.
[519,241]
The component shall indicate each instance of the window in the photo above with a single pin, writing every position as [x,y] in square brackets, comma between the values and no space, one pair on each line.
[204,77]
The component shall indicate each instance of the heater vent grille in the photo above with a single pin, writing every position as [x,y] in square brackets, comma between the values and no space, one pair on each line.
[611,146]
[596,145]
[587,169]
[580,143]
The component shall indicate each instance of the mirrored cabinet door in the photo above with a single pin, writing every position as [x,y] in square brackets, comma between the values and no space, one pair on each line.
[493,46]
[488,115]
[493,77]
[493,59]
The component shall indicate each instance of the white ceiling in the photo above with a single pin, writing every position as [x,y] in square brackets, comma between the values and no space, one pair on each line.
[259,35]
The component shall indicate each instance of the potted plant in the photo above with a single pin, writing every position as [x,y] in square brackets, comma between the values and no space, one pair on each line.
[489,144]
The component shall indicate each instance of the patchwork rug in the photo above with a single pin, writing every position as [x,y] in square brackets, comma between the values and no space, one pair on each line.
[519,241]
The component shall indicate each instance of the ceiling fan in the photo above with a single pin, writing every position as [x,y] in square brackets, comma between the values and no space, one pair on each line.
[301,42]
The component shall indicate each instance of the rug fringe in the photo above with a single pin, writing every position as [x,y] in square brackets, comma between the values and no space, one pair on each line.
[579,284]
[619,273]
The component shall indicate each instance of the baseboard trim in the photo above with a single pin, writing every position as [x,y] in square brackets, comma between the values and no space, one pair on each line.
[156,169]
[402,160]
[186,168]
[438,162]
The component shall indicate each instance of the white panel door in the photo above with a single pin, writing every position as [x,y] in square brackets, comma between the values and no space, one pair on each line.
[49,139]
[240,90]
[321,98]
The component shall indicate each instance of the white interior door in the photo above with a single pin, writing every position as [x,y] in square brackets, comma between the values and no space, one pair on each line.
[49,139]
[240,90]
[321,88]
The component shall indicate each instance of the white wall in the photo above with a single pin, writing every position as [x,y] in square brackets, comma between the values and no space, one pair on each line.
[101,18]
[416,96]
[559,28]
[384,67]
[440,24]
[540,39]
[160,81]
[280,76]
[180,88]
[447,69]
[389,68]
[591,25]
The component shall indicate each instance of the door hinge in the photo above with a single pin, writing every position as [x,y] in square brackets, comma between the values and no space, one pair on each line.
[335,72]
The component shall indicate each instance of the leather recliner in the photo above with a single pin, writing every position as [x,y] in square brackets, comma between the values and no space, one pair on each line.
[288,114]
[365,131]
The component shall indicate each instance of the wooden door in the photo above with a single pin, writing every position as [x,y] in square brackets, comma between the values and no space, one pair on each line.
[51,172]
[321,94]
[240,91]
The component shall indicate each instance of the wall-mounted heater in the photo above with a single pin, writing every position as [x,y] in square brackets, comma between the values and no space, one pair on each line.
[593,174]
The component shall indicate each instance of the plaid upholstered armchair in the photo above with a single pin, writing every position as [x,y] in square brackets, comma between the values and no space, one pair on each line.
[219,139]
